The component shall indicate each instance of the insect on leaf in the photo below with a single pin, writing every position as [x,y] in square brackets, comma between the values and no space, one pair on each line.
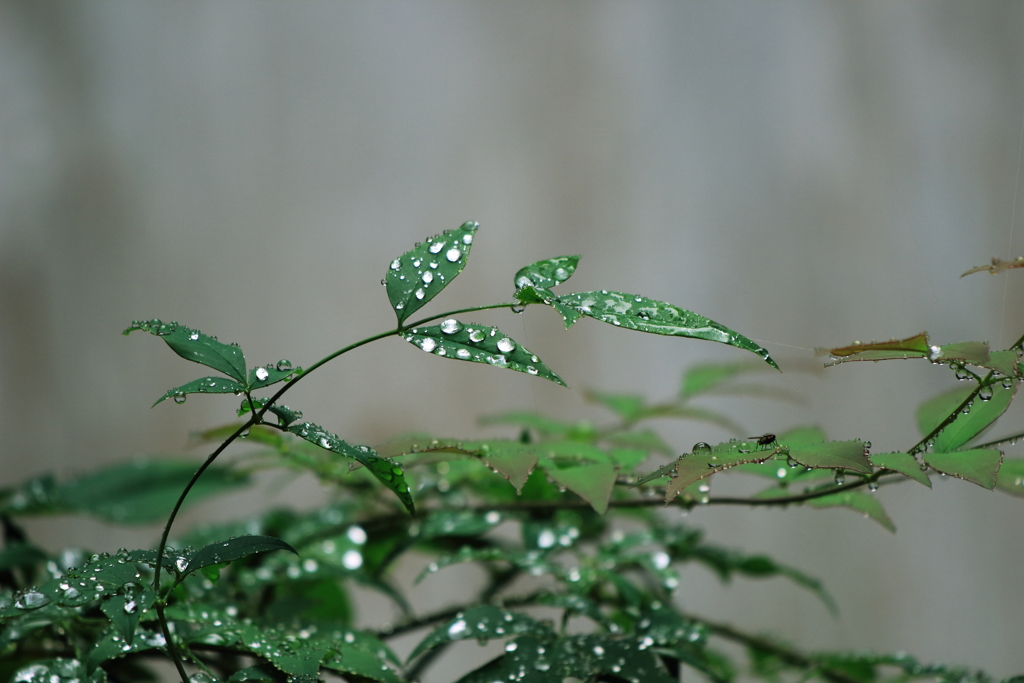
[648,315]
[479,344]
[548,273]
[197,347]
[418,275]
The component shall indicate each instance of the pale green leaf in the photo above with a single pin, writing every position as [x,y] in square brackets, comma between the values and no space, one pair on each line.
[848,455]
[864,503]
[904,463]
[593,483]
[978,466]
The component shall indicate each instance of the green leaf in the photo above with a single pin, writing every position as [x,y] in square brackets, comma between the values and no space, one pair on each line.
[965,427]
[629,407]
[203,385]
[548,273]
[1002,362]
[696,466]
[904,463]
[59,671]
[864,503]
[647,315]
[143,491]
[387,471]
[911,347]
[478,344]
[1011,477]
[462,523]
[644,439]
[420,274]
[542,424]
[593,483]
[976,466]
[847,455]
[265,375]
[975,353]
[124,611]
[360,661]
[234,549]
[513,460]
[481,622]
[197,347]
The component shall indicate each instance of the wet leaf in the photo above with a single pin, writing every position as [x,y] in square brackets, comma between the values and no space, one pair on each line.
[513,460]
[904,463]
[864,503]
[910,347]
[962,430]
[548,273]
[478,344]
[975,353]
[998,266]
[593,483]
[482,622]
[361,662]
[976,466]
[265,375]
[197,347]
[234,549]
[1002,362]
[386,471]
[696,466]
[420,274]
[1011,477]
[203,385]
[59,671]
[124,611]
[848,455]
[657,317]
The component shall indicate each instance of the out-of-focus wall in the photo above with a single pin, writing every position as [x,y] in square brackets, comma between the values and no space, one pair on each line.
[807,174]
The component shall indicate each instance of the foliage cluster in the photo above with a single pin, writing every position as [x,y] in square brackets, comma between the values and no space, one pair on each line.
[573,592]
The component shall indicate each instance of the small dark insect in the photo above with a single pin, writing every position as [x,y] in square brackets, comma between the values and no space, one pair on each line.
[764,440]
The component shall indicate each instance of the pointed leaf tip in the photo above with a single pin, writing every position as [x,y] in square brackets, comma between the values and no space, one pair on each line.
[639,313]
[418,275]
[547,273]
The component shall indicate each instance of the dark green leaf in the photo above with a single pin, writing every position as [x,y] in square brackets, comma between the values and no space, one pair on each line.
[203,385]
[548,273]
[1011,477]
[481,622]
[144,491]
[252,673]
[965,427]
[387,471]
[265,375]
[904,463]
[360,661]
[420,274]
[647,315]
[234,549]
[124,611]
[534,295]
[197,347]
[110,646]
[977,466]
[848,455]
[478,344]
[59,671]
[864,503]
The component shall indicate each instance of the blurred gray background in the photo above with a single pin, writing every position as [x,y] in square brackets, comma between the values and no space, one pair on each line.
[805,173]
